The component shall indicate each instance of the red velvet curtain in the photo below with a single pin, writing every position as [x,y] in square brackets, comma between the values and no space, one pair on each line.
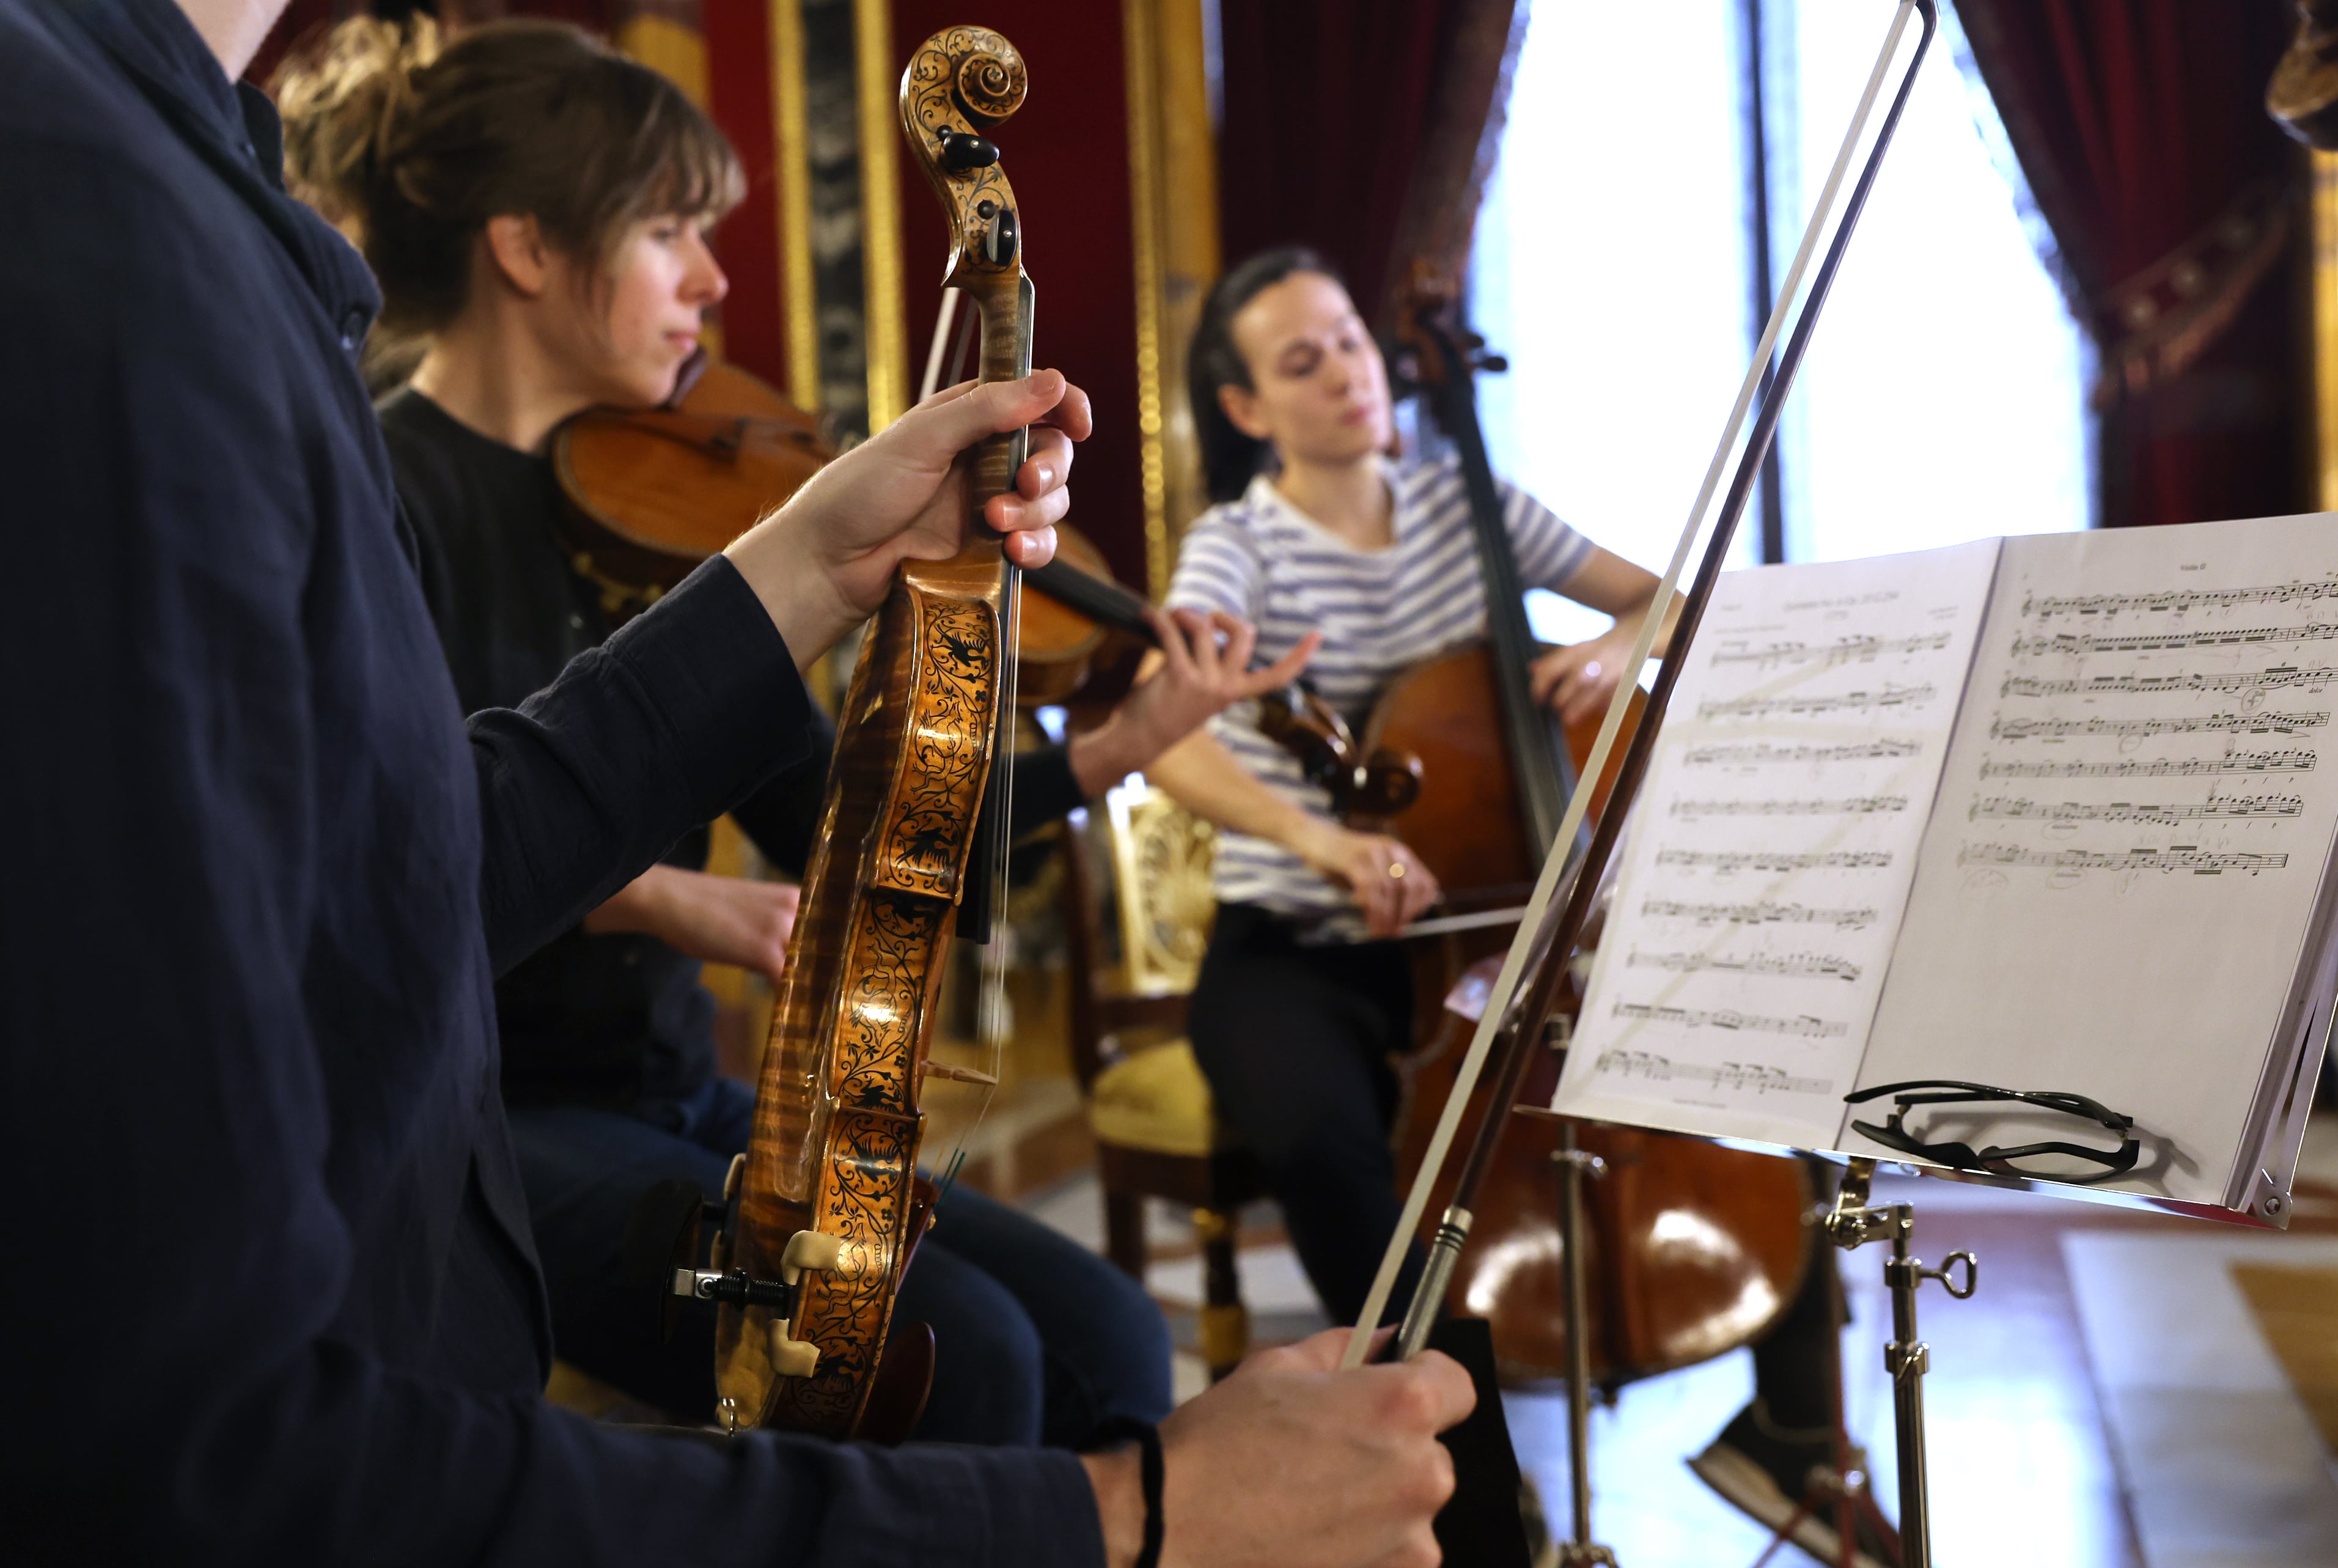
[1356,127]
[2176,205]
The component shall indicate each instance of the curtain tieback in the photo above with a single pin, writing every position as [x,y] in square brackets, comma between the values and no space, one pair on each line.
[2155,323]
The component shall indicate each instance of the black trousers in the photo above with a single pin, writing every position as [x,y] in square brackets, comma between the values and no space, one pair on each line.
[1296,1043]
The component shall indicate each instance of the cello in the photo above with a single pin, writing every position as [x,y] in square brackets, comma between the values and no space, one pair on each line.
[824,1209]
[1497,771]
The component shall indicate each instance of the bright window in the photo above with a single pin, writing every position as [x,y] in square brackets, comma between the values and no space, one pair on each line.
[1944,394]
[1612,269]
[1944,397]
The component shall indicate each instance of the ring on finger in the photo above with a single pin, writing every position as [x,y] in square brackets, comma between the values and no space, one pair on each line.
[1396,871]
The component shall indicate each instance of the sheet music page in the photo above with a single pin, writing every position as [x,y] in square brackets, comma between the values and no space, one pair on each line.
[1774,843]
[2131,832]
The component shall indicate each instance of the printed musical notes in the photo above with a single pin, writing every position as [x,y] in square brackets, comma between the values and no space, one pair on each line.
[1847,917]
[2228,724]
[1736,860]
[1730,1075]
[1832,965]
[2298,760]
[2117,891]
[2044,813]
[1821,807]
[1795,705]
[1773,845]
[2084,644]
[2046,607]
[1746,753]
[2281,677]
[2179,857]
[1847,650]
[1809,1026]
[2234,808]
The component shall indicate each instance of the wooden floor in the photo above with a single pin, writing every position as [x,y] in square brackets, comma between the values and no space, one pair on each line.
[2019,1468]
[2022,1466]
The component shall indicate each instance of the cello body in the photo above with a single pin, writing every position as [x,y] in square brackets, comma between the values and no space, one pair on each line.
[1692,1248]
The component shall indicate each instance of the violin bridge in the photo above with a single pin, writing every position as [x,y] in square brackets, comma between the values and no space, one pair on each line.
[943,1069]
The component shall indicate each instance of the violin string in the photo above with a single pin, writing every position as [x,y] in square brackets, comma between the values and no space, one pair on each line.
[949,1179]
[1533,931]
[991,1006]
[948,313]
[993,1023]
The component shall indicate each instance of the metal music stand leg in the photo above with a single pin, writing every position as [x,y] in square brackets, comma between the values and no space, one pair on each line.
[1853,1224]
[1575,1167]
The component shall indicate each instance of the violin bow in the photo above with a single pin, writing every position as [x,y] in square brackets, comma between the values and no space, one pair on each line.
[1551,929]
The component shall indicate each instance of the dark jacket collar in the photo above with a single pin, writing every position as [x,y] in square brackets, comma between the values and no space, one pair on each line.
[155,42]
[234,128]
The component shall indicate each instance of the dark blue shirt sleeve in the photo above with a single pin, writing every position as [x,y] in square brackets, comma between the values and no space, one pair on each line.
[674,720]
[188,1382]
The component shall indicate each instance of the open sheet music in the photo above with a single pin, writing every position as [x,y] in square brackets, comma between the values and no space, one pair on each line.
[2047,813]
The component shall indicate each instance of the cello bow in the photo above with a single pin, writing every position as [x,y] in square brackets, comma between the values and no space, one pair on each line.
[1528,989]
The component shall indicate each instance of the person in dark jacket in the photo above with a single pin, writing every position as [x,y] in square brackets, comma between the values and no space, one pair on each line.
[535,207]
[271,1295]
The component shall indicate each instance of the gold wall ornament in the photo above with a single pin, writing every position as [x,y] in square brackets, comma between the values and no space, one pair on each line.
[1172,180]
[2303,98]
[672,49]
[886,328]
[791,166]
[2325,168]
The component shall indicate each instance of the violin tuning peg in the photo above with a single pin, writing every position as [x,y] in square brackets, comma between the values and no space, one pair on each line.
[963,154]
[1493,364]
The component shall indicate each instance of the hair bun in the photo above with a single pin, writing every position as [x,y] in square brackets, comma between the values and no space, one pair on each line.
[341,96]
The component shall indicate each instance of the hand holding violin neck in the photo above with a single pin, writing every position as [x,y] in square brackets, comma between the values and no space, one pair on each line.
[824,562]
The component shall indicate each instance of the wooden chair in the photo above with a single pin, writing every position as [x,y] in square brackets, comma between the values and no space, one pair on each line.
[1156,1133]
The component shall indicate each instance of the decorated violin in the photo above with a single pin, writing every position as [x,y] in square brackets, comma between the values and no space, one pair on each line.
[826,1208]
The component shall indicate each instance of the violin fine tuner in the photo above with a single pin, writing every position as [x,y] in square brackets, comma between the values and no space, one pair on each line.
[735,1287]
[806,1251]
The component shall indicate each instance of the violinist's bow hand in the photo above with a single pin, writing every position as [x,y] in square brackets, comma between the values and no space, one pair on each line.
[1293,1463]
[823,563]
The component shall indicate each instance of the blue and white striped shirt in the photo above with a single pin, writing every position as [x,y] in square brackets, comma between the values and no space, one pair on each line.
[1382,612]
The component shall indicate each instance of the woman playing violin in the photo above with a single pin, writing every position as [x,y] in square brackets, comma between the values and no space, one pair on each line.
[537,210]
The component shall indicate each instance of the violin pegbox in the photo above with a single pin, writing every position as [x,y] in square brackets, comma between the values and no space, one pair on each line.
[963,83]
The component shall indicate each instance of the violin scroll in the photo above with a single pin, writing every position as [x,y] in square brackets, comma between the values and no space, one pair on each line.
[964,82]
